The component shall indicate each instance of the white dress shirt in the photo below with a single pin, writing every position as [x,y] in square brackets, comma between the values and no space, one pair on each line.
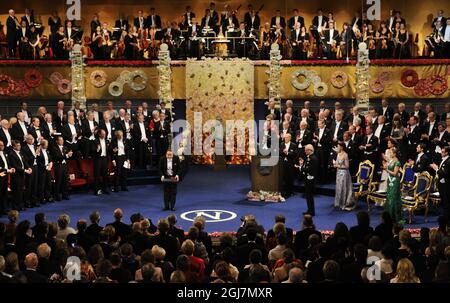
[92,128]
[44,153]
[447,34]
[430,129]
[27,118]
[96,117]
[2,155]
[33,151]
[169,167]
[108,127]
[336,129]
[120,148]
[143,133]
[321,130]
[102,147]
[8,136]
[23,127]
[73,131]
[20,158]
[378,130]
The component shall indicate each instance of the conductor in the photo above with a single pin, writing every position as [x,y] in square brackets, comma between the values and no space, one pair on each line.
[169,167]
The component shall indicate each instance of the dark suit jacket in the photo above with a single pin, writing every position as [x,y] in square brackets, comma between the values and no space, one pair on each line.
[360,234]
[14,162]
[315,21]
[123,23]
[102,125]
[282,22]
[11,28]
[34,277]
[67,133]
[93,230]
[301,239]
[306,139]
[310,168]
[342,128]
[243,253]
[414,136]
[175,166]
[28,155]
[389,114]
[17,132]
[422,165]
[127,147]
[41,159]
[85,129]
[374,143]
[157,21]
[326,139]
[426,128]
[444,172]
[3,137]
[136,22]
[137,134]
[248,22]
[291,21]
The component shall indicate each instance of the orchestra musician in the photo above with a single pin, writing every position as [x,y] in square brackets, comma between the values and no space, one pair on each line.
[299,42]
[153,20]
[278,19]
[435,41]
[214,13]
[34,41]
[319,21]
[54,22]
[97,43]
[23,35]
[265,40]
[71,34]
[194,33]
[208,21]
[252,20]
[28,17]
[331,37]
[171,35]
[279,36]
[131,44]
[12,26]
[345,41]
[229,20]
[296,18]
[242,45]
[95,23]
[401,38]
[447,39]
[369,38]
[120,26]
[187,17]
[107,43]
[140,22]
[383,42]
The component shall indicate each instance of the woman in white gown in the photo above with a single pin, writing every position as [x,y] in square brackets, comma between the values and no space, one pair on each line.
[344,190]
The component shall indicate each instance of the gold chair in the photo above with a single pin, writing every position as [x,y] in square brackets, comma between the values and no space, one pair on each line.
[363,179]
[408,179]
[434,197]
[419,198]
[379,196]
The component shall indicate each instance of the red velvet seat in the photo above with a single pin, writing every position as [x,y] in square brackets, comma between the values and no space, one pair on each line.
[80,178]
[87,168]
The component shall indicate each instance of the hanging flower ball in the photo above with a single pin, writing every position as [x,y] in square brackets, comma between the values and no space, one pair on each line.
[138,80]
[98,78]
[64,86]
[6,85]
[339,79]
[115,88]
[438,85]
[55,77]
[376,85]
[33,78]
[295,79]
[422,88]
[409,78]
[320,89]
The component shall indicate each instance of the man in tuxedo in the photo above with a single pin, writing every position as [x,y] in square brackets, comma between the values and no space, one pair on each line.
[306,117]
[108,126]
[271,110]
[309,169]
[35,130]
[322,139]
[19,129]
[252,20]
[382,131]
[320,21]
[101,164]
[169,167]
[141,138]
[369,146]
[278,19]
[5,135]
[419,113]
[187,17]
[49,128]
[153,20]
[129,109]
[44,170]
[331,38]
[412,135]
[161,134]
[446,49]
[386,110]
[304,137]
[338,127]
[121,156]
[24,109]
[421,162]
[351,149]
[443,174]
[71,133]
[404,115]
[30,154]
[89,130]
[5,169]
[140,21]
[228,19]
[12,26]
[285,130]
[208,21]
[296,18]
[31,264]
[288,157]
[60,156]
[122,25]
[357,22]
[17,182]
[355,116]
[439,18]
[441,140]
[59,117]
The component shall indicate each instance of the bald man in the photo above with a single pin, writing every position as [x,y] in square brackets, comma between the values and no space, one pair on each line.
[31,263]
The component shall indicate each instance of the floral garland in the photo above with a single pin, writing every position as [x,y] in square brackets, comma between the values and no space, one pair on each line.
[64,86]
[377,85]
[265,196]
[385,76]
[422,88]
[438,89]
[409,78]
[115,88]
[98,78]
[339,79]
[20,89]
[6,91]
[300,85]
[33,78]
[55,78]
[138,86]
[320,89]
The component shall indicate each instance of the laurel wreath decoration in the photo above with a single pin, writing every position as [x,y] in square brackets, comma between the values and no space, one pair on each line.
[295,79]
[115,88]
[320,89]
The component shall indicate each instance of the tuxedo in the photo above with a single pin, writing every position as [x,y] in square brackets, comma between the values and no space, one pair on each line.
[31,181]
[140,22]
[288,160]
[273,22]
[371,152]
[59,121]
[71,137]
[252,22]
[382,135]
[19,132]
[59,157]
[154,21]
[6,138]
[36,133]
[413,138]
[430,129]
[226,22]
[17,181]
[388,112]
[141,147]
[351,148]
[47,131]
[4,166]
[331,35]
[443,174]
[303,138]
[101,157]
[404,117]
[121,152]
[351,117]
[108,130]
[11,34]
[324,22]
[442,19]
[339,132]
[421,115]
[88,137]
[187,19]
[122,24]
[421,163]
[444,116]
[310,170]
[274,112]
[44,176]
[161,134]
[291,21]
[211,23]
[323,148]
[167,169]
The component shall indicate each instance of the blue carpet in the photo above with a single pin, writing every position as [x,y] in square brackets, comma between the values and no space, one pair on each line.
[206,189]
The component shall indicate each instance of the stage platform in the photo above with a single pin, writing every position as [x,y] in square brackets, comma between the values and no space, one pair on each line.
[220,195]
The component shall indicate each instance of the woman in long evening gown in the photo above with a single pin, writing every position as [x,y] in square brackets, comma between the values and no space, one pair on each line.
[344,191]
[393,200]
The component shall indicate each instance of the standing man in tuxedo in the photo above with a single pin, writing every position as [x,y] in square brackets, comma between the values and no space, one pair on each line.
[382,132]
[331,37]
[412,136]
[19,129]
[369,147]
[141,138]
[421,162]
[60,156]
[25,111]
[60,116]
[443,174]
[252,20]
[296,18]
[153,20]
[89,130]
[30,154]
[338,126]
[309,169]
[169,167]
[108,126]
[386,110]
[121,154]
[45,166]
[288,157]
[71,133]
[278,19]
[5,135]
[140,21]
[303,138]
[187,17]
[12,27]
[101,164]
[5,169]
[35,130]
[17,182]
[162,130]
[322,139]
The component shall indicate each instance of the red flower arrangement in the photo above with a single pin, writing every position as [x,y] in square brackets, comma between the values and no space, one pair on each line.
[409,77]
[437,85]
[9,88]
[377,85]
[422,88]
[20,89]
[64,86]
[33,78]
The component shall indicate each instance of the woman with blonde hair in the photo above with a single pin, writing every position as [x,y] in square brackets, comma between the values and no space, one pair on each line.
[405,272]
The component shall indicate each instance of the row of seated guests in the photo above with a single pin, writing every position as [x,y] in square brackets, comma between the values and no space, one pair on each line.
[419,132]
[143,34]
[32,147]
[145,253]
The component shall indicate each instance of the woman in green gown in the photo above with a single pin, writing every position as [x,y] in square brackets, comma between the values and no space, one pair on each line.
[393,200]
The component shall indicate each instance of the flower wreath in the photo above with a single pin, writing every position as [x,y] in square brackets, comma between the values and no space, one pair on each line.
[55,77]
[438,89]
[339,79]
[98,78]
[33,78]
[124,77]
[409,78]
[296,84]
[20,89]
[320,89]
[422,88]
[64,86]
[377,85]
[115,88]
[385,76]
[136,86]
[6,91]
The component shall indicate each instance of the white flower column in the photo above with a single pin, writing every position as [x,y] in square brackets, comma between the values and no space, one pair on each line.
[362,78]
[78,89]
[165,82]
